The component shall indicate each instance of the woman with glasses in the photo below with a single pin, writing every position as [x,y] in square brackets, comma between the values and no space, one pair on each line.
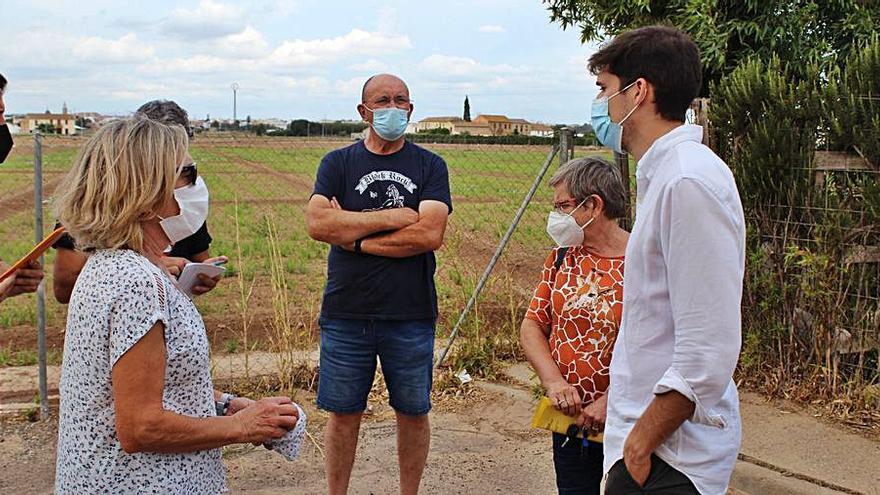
[571,324]
[194,247]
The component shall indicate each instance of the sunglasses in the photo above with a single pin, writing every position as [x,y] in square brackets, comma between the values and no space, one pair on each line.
[190,172]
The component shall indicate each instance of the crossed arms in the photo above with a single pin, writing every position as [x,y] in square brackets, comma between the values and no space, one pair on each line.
[393,233]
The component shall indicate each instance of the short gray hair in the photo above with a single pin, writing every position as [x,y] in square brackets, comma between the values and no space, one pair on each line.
[168,113]
[591,175]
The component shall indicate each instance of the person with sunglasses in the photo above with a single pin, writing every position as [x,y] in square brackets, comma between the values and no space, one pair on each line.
[192,240]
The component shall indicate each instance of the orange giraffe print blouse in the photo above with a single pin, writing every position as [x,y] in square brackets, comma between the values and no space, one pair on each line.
[582,303]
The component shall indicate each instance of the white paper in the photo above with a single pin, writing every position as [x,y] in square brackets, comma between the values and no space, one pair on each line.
[189,277]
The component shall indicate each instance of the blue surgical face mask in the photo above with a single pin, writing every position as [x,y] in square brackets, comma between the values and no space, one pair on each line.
[389,123]
[609,133]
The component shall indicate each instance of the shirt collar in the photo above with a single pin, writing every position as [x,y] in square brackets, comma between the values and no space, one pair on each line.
[652,158]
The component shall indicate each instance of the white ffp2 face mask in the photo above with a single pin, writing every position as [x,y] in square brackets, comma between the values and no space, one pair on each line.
[564,229]
[193,203]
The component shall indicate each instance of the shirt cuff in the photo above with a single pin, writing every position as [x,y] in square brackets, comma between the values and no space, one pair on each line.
[673,380]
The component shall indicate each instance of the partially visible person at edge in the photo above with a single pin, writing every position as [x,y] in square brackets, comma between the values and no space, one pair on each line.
[382,204]
[673,423]
[571,325]
[138,410]
[184,247]
[27,279]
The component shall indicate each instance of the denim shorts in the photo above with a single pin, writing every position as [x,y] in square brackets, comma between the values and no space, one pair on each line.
[348,363]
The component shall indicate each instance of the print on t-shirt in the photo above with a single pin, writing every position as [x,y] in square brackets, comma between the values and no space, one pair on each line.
[391,197]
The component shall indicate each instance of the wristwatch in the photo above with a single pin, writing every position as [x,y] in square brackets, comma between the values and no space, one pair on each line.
[223,404]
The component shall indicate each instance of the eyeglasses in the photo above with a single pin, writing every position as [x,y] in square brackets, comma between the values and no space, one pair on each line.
[562,206]
[190,172]
[385,102]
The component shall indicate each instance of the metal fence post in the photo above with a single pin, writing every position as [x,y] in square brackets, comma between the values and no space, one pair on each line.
[622,161]
[566,145]
[498,250]
[41,291]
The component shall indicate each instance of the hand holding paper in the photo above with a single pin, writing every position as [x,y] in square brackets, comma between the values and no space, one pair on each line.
[198,278]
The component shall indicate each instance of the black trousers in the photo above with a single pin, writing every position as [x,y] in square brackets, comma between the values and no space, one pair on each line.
[662,480]
[578,466]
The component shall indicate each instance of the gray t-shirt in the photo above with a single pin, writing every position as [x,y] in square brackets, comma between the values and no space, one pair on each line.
[118,297]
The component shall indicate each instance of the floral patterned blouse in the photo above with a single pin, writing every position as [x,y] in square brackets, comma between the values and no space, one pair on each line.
[117,298]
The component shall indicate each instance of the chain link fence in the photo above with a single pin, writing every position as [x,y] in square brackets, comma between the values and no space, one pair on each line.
[262,318]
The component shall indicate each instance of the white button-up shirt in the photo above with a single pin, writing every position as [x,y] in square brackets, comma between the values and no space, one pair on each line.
[680,328]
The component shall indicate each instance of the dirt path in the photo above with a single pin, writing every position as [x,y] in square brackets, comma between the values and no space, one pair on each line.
[479,445]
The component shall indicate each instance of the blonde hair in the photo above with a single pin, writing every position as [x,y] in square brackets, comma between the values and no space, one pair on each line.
[122,175]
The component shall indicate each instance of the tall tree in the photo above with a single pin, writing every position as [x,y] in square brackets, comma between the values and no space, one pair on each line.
[730,31]
[467,109]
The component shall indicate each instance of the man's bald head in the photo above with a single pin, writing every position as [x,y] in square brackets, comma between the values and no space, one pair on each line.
[383,83]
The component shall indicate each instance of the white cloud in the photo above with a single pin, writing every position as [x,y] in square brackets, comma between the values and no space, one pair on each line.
[490,28]
[349,87]
[372,65]
[248,52]
[209,20]
[309,85]
[248,44]
[447,67]
[197,64]
[127,49]
[299,53]
[38,48]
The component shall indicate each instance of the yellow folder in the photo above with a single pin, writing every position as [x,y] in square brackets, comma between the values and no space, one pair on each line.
[34,254]
[548,417]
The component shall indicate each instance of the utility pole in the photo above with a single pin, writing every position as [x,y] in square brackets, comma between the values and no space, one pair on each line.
[235,87]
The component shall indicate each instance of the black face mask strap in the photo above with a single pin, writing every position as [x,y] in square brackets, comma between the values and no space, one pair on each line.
[5,142]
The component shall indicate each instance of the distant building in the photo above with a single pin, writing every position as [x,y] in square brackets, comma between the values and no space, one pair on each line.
[541,130]
[280,123]
[430,123]
[503,126]
[63,123]
[471,129]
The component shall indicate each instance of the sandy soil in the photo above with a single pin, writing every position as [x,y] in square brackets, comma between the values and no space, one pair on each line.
[480,444]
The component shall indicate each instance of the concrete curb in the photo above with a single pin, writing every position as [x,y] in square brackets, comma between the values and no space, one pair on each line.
[756,480]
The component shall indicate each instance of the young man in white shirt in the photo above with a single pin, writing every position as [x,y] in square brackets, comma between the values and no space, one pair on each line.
[673,423]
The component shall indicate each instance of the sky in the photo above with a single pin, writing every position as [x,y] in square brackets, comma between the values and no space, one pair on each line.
[292,58]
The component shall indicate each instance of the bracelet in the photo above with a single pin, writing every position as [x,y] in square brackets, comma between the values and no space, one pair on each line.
[357,245]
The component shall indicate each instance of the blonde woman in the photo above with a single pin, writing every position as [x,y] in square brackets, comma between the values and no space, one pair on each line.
[138,412]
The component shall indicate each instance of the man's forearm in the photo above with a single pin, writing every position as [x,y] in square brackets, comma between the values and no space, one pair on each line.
[341,227]
[664,415]
[408,241]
